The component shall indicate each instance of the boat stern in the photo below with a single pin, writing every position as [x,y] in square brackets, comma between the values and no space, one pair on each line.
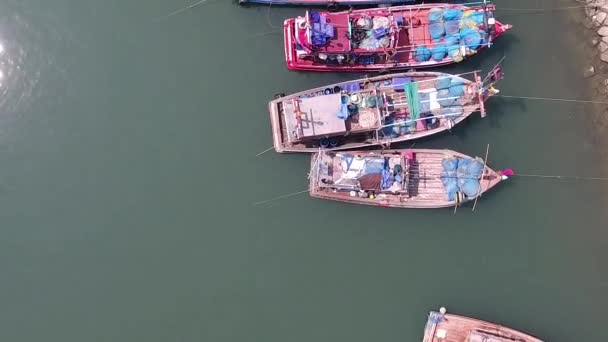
[290,44]
[275,123]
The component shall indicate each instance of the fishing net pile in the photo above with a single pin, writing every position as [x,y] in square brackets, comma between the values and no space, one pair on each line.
[429,108]
[461,175]
[368,173]
[322,31]
[455,34]
[450,91]
[371,33]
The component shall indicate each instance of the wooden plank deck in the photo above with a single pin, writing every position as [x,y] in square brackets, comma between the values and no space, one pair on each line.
[454,328]
[425,188]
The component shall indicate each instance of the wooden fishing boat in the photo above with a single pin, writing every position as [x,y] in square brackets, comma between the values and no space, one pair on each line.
[453,328]
[389,38]
[377,111]
[333,3]
[414,178]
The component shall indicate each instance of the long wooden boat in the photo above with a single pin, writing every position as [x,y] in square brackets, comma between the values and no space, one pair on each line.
[414,178]
[377,111]
[326,2]
[453,328]
[389,38]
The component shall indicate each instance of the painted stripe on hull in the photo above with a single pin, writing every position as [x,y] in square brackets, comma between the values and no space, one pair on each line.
[326,2]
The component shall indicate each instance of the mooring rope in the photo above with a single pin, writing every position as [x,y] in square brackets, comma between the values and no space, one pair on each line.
[540,9]
[268,18]
[186,8]
[584,178]
[551,99]
[561,177]
[266,150]
[281,197]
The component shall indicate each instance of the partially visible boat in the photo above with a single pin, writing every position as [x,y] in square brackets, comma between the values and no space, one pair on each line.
[377,111]
[326,2]
[389,38]
[453,328]
[412,178]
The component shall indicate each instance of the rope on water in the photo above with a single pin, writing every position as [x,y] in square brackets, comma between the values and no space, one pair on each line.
[266,150]
[268,18]
[604,179]
[533,11]
[267,33]
[186,8]
[550,99]
[565,8]
[280,197]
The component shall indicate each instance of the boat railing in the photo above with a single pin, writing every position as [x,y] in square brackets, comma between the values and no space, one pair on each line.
[416,120]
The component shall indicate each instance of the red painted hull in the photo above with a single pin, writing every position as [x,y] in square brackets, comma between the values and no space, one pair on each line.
[325,2]
[294,61]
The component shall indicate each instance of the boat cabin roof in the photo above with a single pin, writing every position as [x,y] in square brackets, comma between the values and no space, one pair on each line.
[316,116]
[326,115]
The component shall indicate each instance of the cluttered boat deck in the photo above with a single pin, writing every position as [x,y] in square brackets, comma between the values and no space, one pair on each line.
[392,38]
[453,328]
[400,178]
[374,111]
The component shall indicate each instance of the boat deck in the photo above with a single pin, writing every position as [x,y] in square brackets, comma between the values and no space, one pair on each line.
[423,186]
[454,328]
[304,118]
[344,43]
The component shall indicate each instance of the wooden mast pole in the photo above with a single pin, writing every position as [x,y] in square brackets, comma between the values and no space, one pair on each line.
[483,170]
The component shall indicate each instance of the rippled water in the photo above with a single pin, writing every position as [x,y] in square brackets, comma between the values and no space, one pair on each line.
[128,141]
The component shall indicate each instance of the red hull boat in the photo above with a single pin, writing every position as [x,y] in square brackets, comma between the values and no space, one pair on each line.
[331,3]
[389,38]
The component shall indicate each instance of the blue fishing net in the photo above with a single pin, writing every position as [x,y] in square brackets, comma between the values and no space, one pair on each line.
[451,41]
[439,52]
[478,17]
[435,14]
[452,14]
[443,83]
[422,54]
[450,164]
[437,30]
[424,104]
[457,87]
[444,98]
[470,187]
[450,183]
[475,169]
[454,52]
[462,167]
[465,178]
[452,28]
[471,38]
